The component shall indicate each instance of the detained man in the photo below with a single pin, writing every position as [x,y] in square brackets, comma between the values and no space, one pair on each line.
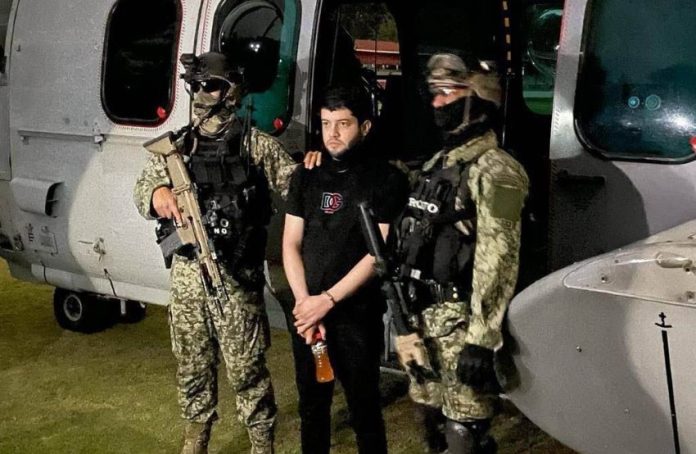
[331,274]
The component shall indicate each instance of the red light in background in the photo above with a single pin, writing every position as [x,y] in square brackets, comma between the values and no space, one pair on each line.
[692,141]
[161,113]
[278,124]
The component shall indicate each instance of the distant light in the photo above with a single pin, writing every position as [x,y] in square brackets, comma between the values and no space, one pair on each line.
[278,124]
[161,113]
[692,141]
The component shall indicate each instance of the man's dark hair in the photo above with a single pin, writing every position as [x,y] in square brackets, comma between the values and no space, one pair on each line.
[353,98]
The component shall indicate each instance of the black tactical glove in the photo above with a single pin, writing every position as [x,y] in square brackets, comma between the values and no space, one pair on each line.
[475,368]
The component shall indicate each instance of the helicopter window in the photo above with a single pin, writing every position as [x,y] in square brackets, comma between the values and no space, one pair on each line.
[260,37]
[541,29]
[140,61]
[636,97]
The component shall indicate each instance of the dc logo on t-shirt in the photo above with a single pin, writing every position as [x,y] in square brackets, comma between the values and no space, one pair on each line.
[331,202]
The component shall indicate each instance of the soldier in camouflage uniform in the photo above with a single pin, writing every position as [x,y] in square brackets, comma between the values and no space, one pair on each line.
[458,240]
[199,332]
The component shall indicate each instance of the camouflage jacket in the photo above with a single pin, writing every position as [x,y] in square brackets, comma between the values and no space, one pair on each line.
[266,151]
[498,186]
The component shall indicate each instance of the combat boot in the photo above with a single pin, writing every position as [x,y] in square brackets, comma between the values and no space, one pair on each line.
[265,449]
[261,441]
[196,437]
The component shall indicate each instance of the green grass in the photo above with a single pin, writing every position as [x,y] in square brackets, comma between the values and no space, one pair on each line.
[113,391]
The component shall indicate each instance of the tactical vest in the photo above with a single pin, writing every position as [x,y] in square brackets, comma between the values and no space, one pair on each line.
[235,202]
[433,255]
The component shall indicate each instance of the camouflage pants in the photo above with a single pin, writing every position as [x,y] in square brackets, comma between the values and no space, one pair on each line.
[199,334]
[444,328]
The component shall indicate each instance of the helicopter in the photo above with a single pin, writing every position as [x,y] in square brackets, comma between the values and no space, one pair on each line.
[598,107]
[77,103]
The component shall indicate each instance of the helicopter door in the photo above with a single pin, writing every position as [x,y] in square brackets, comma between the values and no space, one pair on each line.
[54,107]
[78,118]
[624,125]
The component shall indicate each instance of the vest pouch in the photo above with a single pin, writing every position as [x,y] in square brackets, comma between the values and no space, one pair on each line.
[442,319]
[452,252]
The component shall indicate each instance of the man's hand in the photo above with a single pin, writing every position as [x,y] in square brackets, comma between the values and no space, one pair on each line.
[164,204]
[310,311]
[475,368]
[311,159]
[310,334]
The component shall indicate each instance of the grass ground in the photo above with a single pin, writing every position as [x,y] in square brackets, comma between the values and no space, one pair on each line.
[113,392]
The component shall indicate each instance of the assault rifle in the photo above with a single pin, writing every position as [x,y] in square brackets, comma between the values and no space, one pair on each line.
[409,344]
[191,233]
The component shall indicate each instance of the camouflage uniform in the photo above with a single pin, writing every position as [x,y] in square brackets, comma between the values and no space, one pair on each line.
[497,184]
[197,330]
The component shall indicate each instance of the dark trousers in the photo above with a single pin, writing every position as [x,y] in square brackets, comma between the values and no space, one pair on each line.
[354,340]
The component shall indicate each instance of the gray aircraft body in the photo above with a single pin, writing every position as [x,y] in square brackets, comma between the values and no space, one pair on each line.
[599,107]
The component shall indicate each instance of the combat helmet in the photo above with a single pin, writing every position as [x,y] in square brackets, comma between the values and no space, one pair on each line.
[211,71]
[216,88]
[476,109]
[452,70]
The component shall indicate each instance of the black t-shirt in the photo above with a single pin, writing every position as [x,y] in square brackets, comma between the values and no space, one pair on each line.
[327,198]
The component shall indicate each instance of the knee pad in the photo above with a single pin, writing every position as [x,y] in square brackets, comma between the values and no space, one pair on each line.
[469,437]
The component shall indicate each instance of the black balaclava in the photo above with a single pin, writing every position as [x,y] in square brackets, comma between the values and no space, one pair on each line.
[464,118]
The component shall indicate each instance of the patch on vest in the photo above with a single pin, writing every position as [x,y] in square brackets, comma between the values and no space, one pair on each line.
[331,202]
[423,205]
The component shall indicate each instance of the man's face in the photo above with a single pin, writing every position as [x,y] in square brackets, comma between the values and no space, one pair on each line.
[447,95]
[341,131]
[206,97]
[204,100]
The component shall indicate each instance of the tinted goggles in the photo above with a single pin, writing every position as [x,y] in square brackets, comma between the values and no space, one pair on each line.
[209,85]
[443,90]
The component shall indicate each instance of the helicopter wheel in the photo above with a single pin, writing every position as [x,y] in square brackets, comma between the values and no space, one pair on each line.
[80,312]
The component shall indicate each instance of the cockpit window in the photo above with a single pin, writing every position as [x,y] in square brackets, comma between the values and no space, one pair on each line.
[140,61]
[260,36]
[541,29]
[636,97]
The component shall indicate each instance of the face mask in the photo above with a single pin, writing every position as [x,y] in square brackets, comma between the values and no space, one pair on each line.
[460,115]
[450,116]
[211,125]
[203,102]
